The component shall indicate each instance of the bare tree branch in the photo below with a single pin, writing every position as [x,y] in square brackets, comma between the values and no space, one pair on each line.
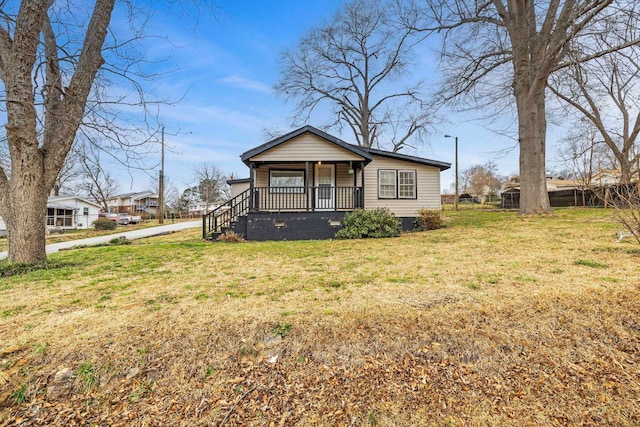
[481,38]
[55,85]
[353,65]
[593,88]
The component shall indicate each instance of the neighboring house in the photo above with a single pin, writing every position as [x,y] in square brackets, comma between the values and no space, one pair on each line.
[600,178]
[66,213]
[607,177]
[564,184]
[301,185]
[513,184]
[70,212]
[199,208]
[561,192]
[134,203]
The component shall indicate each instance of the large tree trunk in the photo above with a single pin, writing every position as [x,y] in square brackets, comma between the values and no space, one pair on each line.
[25,205]
[534,198]
[26,219]
[38,153]
[625,168]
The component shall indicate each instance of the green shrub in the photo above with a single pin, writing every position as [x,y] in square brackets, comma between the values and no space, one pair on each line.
[122,240]
[361,224]
[429,219]
[104,224]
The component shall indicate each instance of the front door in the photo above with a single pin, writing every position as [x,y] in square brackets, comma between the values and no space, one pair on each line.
[325,187]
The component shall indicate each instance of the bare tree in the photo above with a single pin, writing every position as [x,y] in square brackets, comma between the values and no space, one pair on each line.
[94,181]
[211,183]
[272,133]
[38,144]
[465,181]
[353,65]
[606,92]
[481,179]
[170,195]
[582,152]
[172,199]
[56,62]
[70,172]
[510,48]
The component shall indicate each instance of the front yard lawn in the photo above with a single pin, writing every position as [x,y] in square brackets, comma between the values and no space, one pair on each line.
[495,319]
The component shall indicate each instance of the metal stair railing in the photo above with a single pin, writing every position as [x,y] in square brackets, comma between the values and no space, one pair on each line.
[214,221]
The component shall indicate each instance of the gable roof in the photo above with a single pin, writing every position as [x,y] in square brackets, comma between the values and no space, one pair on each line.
[291,135]
[59,201]
[421,160]
[365,152]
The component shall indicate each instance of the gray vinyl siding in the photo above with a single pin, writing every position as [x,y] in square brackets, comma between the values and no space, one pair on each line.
[427,191]
[306,147]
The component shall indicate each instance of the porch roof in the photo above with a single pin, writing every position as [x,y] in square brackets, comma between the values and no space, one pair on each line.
[358,151]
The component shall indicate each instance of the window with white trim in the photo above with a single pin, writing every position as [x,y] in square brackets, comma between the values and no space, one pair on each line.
[386,184]
[407,184]
[397,184]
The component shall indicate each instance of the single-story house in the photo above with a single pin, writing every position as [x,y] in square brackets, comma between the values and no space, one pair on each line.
[71,212]
[145,202]
[66,213]
[302,184]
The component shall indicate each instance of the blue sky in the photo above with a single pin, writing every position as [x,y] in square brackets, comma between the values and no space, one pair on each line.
[225,67]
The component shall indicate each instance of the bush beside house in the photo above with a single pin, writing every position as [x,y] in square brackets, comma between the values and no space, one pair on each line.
[376,223]
[104,224]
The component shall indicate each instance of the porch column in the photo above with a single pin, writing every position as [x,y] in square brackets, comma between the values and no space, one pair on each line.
[362,185]
[306,176]
[251,185]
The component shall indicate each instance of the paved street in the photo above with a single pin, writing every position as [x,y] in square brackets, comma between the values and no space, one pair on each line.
[131,235]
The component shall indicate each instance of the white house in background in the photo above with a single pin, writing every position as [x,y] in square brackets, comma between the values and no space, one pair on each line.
[606,177]
[134,203]
[199,208]
[66,213]
[71,212]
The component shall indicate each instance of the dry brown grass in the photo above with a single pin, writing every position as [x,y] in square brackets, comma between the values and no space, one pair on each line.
[494,320]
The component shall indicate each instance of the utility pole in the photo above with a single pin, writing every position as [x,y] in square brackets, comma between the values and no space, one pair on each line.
[457,191]
[161,185]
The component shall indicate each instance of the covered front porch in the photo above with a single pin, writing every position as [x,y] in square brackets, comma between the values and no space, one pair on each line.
[306,186]
[308,197]
[299,176]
